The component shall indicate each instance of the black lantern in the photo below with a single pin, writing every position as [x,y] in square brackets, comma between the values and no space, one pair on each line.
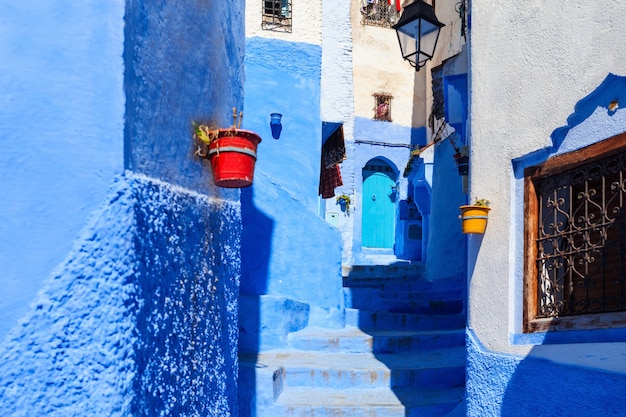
[418,32]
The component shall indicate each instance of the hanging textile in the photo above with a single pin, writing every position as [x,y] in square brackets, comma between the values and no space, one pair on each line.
[330,178]
[333,153]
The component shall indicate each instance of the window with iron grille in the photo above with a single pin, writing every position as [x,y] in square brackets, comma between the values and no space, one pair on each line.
[379,13]
[276,15]
[382,107]
[575,231]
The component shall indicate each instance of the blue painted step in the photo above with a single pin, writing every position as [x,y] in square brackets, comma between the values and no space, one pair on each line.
[319,402]
[415,302]
[429,369]
[355,340]
[403,321]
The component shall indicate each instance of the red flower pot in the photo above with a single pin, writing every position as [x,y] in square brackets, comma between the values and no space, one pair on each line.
[233,155]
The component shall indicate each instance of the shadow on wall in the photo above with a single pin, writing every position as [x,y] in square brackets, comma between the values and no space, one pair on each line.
[256,247]
[504,385]
[186,349]
[290,277]
[543,388]
[141,318]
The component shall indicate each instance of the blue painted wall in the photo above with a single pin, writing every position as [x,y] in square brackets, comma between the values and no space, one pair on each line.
[284,77]
[61,127]
[141,317]
[504,385]
[287,250]
[125,285]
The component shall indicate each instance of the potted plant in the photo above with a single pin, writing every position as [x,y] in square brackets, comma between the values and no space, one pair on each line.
[474,217]
[232,152]
[462,163]
[344,202]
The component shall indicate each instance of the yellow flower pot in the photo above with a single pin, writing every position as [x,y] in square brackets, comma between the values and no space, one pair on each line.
[474,219]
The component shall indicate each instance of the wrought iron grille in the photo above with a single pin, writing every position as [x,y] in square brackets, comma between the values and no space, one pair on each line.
[581,243]
[379,13]
[276,15]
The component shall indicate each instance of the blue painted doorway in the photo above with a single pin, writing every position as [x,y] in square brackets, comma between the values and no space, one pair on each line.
[378,201]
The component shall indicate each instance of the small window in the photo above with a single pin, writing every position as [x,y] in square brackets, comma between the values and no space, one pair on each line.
[382,109]
[380,12]
[277,15]
[575,231]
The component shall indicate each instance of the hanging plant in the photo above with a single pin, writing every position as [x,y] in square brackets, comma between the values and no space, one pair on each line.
[232,152]
[415,154]
[474,217]
[344,201]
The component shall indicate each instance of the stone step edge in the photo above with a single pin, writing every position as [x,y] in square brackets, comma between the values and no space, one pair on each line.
[368,397]
[453,357]
[356,332]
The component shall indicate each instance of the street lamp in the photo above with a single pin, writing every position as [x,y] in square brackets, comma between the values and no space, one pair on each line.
[418,32]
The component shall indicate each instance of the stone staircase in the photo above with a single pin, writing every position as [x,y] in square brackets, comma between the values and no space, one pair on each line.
[402,353]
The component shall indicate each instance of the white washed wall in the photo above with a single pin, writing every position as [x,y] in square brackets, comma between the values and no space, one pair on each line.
[531,62]
[306,22]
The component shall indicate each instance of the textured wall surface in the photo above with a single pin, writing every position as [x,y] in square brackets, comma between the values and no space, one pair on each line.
[141,317]
[187,246]
[182,64]
[535,96]
[72,353]
[119,292]
[61,128]
[506,385]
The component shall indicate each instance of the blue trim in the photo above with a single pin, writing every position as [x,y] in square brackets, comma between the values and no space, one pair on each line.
[612,88]
[455,105]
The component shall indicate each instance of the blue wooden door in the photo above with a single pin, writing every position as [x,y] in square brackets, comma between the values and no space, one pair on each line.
[378,216]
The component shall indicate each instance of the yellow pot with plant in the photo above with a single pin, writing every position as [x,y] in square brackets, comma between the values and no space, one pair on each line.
[474,217]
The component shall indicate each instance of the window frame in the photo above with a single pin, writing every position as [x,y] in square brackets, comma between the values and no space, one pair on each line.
[554,166]
[379,99]
[378,18]
[274,18]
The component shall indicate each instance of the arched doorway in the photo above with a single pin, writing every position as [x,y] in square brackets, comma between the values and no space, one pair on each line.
[378,205]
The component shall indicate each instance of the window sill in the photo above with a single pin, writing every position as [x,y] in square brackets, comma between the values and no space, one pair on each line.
[591,328]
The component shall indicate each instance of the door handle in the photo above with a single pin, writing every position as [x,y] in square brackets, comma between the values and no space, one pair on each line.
[373,197]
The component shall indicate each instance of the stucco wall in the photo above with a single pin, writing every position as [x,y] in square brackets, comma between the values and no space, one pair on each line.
[179,69]
[125,298]
[379,68]
[140,319]
[287,249]
[530,64]
[505,385]
[62,121]
[284,77]
[540,86]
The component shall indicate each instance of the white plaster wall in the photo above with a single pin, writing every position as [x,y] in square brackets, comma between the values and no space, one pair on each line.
[306,22]
[530,63]
[337,102]
[379,67]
